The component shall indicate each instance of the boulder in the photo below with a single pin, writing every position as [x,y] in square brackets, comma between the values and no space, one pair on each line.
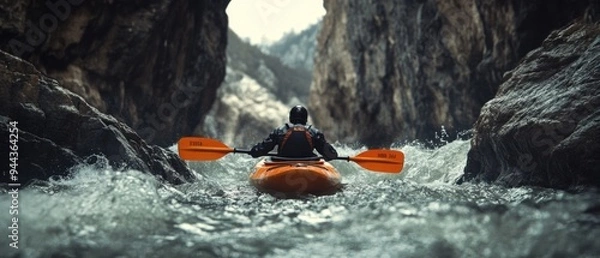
[57,129]
[543,126]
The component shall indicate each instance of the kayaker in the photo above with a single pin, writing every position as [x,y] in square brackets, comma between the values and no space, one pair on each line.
[296,139]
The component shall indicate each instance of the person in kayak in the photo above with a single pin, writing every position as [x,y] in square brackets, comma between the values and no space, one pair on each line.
[296,139]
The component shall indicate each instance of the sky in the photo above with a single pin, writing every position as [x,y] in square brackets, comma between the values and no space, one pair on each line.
[266,21]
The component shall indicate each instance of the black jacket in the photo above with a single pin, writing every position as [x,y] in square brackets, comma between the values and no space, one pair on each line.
[295,141]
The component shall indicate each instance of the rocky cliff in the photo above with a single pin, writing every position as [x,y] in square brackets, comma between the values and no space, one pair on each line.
[245,111]
[155,65]
[543,126]
[256,95]
[285,82]
[394,70]
[261,84]
[296,50]
[54,129]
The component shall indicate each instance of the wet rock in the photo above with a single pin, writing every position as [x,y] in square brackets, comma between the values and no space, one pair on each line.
[543,126]
[400,70]
[58,129]
[155,64]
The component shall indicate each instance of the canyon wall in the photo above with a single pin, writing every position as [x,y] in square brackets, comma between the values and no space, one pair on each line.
[155,64]
[388,71]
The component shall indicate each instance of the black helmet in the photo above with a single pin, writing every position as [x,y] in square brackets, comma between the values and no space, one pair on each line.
[298,115]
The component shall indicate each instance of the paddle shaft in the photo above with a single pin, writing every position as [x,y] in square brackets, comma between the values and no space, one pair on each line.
[270,154]
[367,162]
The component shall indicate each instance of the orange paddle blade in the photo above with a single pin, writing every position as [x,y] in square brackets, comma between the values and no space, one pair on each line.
[387,161]
[198,148]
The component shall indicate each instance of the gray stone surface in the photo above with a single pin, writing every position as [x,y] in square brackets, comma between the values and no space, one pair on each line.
[153,64]
[400,70]
[543,126]
[58,129]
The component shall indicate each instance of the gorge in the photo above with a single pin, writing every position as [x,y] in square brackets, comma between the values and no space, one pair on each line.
[406,68]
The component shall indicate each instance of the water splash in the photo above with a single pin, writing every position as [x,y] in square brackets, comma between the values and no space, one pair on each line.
[101,211]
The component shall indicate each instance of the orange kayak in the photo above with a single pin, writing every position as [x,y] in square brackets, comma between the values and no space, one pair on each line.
[296,177]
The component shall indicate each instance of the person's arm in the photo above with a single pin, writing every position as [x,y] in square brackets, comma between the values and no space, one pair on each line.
[323,147]
[265,146]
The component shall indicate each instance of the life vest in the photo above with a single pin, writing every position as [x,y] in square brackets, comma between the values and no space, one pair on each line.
[296,142]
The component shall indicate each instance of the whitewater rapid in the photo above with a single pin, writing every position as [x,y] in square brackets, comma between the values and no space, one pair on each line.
[106,212]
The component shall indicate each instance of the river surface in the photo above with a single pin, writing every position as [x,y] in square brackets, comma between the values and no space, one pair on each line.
[105,212]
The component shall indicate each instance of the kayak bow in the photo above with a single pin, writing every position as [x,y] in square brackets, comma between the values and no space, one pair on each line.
[292,177]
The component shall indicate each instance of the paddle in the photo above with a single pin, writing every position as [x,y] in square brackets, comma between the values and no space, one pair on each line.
[204,149]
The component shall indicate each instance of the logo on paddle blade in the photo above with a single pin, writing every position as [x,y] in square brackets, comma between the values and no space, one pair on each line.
[386,155]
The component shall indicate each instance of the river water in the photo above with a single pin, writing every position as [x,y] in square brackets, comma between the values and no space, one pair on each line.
[104,212]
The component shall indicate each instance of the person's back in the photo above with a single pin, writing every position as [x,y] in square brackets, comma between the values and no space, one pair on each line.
[296,139]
